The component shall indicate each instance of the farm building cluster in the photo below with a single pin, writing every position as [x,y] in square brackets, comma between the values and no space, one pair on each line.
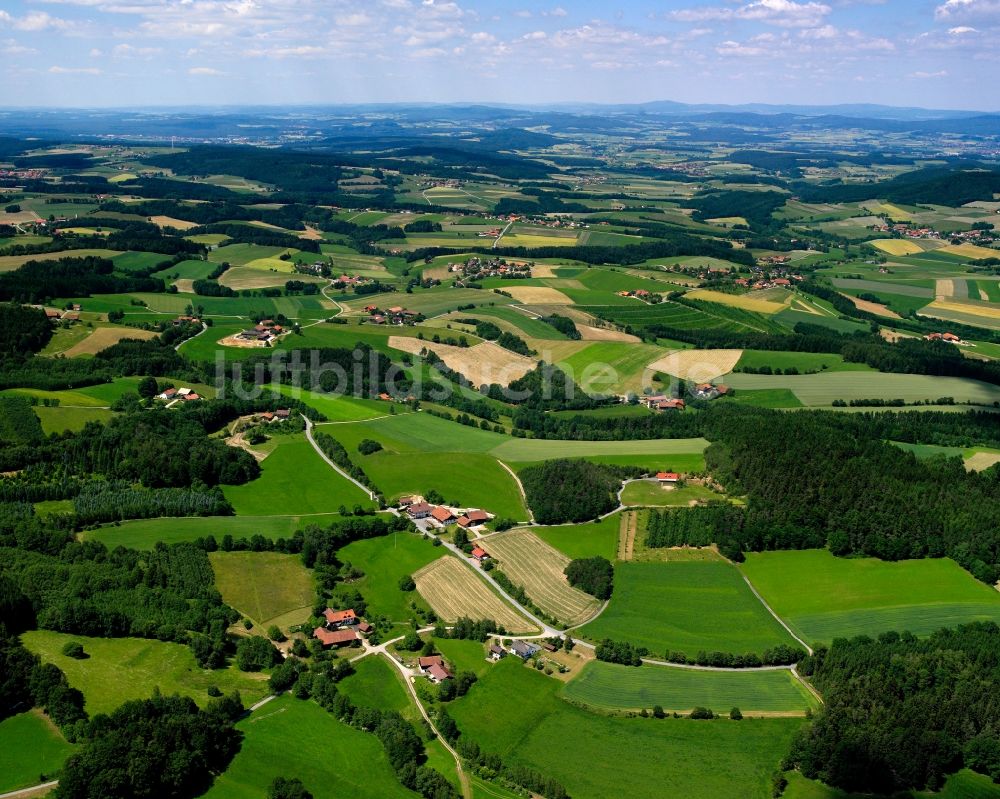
[396,315]
[440,516]
[906,231]
[949,338]
[171,395]
[341,628]
[264,332]
[659,402]
[492,267]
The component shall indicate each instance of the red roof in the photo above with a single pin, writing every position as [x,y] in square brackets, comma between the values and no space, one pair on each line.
[418,508]
[338,616]
[439,673]
[477,515]
[479,553]
[442,514]
[667,476]
[430,660]
[334,637]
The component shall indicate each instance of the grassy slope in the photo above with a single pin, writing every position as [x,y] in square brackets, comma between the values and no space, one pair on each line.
[800,360]
[823,597]
[30,746]
[130,668]
[685,607]
[144,533]
[264,585]
[384,561]
[598,756]
[294,738]
[294,479]
[613,687]
[584,540]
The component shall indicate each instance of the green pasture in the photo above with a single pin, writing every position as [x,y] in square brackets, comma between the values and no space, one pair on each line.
[291,737]
[596,756]
[377,684]
[609,686]
[295,480]
[464,655]
[823,597]
[242,254]
[144,533]
[31,750]
[822,389]
[338,408]
[625,362]
[686,607]
[266,587]
[964,784]
[765,398]
[584,540]
[523,324]
[59,420]
[652,494]
[119,669]
[803,361]
[187,270]
[384,561]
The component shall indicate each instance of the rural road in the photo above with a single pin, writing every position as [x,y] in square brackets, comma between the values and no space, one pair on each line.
[335,467]
[520,487]
[777,618]
[204,327]
[503,233]
[34,790]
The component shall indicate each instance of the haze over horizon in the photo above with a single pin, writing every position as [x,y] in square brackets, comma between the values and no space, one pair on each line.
[141,53]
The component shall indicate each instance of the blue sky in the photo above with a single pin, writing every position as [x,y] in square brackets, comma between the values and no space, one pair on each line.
[932,53]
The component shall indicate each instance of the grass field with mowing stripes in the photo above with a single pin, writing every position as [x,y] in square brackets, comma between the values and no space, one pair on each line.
[608,686]
[536,566]
[453,591]
[685,607]
[822,597]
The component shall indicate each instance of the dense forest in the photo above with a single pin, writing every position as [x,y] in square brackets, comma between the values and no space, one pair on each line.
[572,490]
[903,713]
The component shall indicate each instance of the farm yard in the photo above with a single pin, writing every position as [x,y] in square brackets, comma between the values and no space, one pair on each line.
[823,597]
[609,686]
[531,563]
[686,607]
[453,591]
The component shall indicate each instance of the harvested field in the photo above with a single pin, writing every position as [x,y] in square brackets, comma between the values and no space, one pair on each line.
[943,289]
[484,363]
[990,311]
[981,461]
[970,251]
[538,295]
[897,246]
[697,365]
[543,271]
[531,563]
[104,337]
[628,527]
[747,302]
[169,221]
[588,333]
[452,590]
[874,307]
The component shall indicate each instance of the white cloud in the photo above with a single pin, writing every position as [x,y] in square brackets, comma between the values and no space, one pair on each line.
[204,71]
[921,75]
[961,30]
[968,9]
[785,13]
[74,71]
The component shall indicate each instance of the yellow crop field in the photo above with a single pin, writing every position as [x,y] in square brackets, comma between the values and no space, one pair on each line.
[104,337]
[529,240]
[538,295]
[169,221]
[970,251]
[965,307]
[728,221]
[453,591]
[897,246]
[748,302]
[485,363]
[697,365]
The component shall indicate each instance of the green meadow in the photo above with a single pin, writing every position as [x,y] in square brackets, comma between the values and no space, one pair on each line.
[609,686]
[584,540]
[118,669]
[377,684]
[803,361]
[385,561]
[685,607]
[823,597]
[963,784]
[596,756]
[267,587]
[31,750]
[295,480]
[290,737]
[59,420]
[144,533]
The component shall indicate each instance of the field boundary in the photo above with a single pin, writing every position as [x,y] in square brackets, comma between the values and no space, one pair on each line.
[770,610]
